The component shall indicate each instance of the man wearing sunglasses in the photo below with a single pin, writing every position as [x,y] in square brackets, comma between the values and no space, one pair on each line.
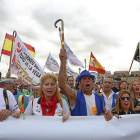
[115,86]
[109,97]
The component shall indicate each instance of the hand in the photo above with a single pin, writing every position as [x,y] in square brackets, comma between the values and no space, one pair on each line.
[62,54]
[65,117]
[108,115]
[137,108]
[16,114]
[102,114]
[117,116]
[4,114]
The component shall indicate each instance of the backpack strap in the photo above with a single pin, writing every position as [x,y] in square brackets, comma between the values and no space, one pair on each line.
[6,98]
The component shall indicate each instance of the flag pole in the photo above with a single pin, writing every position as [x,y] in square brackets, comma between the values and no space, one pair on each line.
[85,64]
[60,34]
[14,33]
[89,62]
[44,67]
[62,43]
[131,63]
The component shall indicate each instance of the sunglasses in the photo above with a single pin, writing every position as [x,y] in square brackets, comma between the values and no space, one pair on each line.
[123,98]
[116,82]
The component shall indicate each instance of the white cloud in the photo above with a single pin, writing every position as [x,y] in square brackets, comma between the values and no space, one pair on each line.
[109,29]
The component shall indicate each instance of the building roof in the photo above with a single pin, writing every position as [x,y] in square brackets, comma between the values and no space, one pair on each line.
[121,72]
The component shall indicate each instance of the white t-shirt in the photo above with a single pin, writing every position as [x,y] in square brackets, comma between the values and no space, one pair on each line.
[13,106]
[90,102]
[36,108]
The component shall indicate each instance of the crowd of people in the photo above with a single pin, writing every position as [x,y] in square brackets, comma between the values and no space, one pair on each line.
[65,96]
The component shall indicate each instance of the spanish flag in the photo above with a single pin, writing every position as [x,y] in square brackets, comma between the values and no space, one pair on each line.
[94,65]
[6,49]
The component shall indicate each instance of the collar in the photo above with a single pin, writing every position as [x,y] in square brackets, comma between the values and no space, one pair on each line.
[124,112]
[39,100]
[15,92]
[111,93]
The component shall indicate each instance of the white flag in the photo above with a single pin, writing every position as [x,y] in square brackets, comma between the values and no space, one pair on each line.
[51,64]
[24,65]
[70,72]
[72,58]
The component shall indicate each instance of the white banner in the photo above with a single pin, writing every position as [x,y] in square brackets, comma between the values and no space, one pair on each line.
[75,128]
[72,58]
[70,72]
[51,64]
[24,65]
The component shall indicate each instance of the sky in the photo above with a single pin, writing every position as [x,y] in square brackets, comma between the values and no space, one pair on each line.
[110,29]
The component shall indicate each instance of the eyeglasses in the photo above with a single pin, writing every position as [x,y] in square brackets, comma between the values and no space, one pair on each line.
[107,82]
[123,98]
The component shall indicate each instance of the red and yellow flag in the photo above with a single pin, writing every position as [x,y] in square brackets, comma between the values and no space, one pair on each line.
[6,49]
[94,65]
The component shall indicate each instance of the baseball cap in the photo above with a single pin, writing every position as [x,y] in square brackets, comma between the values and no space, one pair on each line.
[7,81]
[85,73]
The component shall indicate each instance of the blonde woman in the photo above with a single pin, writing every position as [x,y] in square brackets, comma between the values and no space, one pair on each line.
[134,90]
[123,104]
[49,102]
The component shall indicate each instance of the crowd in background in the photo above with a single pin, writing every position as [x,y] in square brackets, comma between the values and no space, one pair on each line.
[65,96]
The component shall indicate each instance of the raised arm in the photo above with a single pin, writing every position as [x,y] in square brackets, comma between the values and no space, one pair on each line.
[66,89]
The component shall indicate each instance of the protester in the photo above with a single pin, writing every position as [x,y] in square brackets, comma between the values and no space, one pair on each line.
[123,86]
[83,102]
[123,104]
[134,89]
[16,83]
[77,83]
[9,84]
[97,88]
[8,105]
[25,90]
[28,95]
[109,97]
[70,81]
[50,102]
[35,90]
[115,86]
